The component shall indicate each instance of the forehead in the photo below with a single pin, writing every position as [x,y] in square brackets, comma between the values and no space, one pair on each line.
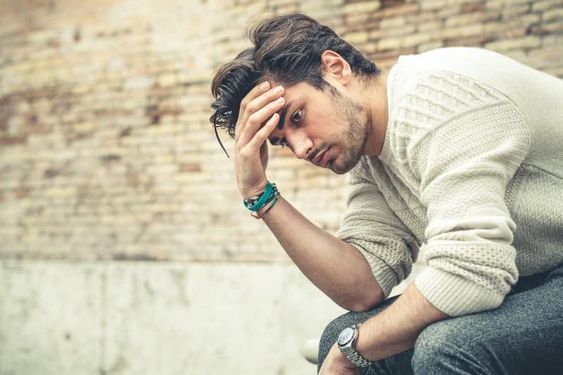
[298,89]
[295,97]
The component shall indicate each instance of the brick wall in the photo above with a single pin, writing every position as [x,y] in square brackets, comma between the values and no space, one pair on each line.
[105,147]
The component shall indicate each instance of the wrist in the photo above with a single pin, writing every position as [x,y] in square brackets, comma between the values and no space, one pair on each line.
[263,202]
[248,194]
[347,344]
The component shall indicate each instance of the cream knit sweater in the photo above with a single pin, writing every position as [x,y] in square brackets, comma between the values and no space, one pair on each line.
[471,174]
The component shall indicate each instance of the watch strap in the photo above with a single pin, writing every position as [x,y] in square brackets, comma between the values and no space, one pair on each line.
[355,357]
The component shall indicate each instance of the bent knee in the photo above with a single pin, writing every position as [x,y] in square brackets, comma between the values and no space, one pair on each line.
[445,348]
[333,329]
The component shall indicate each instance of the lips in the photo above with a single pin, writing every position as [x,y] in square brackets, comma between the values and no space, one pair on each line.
[321,158]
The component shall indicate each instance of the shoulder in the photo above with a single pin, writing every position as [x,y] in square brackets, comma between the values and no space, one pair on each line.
[454,104]
[488,68]
[412,72]
[462,60]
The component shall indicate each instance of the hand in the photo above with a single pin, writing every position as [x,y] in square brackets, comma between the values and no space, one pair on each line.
[336,363]
[257,119]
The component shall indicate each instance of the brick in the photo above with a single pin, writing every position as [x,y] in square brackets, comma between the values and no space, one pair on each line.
[430,45]
[546,29]
[392,22]
[546,57]
[553,14]
[381,33]
[498,4]
[471,18]
[472,7]
[400,10]
[557,72]
[553,40]
[108,126]
[404,42]
[538,6]
[520,43]
[459,32]
[514,10]
[363,7]
[428,26]
[357,37]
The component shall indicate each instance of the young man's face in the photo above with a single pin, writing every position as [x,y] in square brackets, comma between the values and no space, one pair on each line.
[324,127]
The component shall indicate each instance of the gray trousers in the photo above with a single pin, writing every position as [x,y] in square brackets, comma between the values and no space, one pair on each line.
[523,336]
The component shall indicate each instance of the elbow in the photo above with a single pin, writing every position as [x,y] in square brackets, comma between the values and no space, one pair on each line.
[363,303]
[358,307]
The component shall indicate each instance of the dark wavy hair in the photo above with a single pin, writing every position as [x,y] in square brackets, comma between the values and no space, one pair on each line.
[286,49]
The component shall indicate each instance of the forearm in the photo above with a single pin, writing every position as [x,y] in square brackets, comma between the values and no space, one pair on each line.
[334,266]
[396,328]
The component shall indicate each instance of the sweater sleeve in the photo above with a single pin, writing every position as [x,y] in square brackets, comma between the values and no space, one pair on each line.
[464,161]
[372,228]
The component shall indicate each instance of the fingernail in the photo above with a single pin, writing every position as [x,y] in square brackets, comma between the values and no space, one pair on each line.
[278,89]
[265,85]
[280,99]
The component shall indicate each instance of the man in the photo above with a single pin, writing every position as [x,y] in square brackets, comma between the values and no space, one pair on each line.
[456,153]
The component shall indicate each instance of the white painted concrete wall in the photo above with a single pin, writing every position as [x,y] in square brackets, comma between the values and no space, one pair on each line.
[63,318]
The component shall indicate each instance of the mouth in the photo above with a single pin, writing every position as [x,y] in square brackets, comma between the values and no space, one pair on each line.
[322,158]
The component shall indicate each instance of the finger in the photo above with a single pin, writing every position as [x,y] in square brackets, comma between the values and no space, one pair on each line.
[262,100]
[262,135]
[258,103]
[252,94]
[258,118]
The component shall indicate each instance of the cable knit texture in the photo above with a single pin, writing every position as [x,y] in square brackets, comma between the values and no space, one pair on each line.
[461,172]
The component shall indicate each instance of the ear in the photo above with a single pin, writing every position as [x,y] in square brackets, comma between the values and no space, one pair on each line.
[336,67]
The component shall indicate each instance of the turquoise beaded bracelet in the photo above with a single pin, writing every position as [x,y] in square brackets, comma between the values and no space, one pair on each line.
[269,193]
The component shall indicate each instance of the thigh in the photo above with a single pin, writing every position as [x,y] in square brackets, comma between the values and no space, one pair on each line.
[523,336]
[399,364]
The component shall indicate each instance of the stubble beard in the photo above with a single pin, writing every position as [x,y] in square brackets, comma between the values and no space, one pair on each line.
[356,136]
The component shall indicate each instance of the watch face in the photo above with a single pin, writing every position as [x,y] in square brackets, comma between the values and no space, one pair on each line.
[346,336]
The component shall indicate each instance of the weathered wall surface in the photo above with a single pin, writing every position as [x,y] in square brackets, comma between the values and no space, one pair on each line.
[105,147]
[107,160]
[110,318]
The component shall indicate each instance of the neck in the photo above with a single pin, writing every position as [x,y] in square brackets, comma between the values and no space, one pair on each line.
[376,107]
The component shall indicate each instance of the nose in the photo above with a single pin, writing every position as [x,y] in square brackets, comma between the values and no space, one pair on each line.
[300,144]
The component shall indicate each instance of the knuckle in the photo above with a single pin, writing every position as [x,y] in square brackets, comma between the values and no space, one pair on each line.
[272,105]
[251,107]
[253,119]
[243,104]
[245,153]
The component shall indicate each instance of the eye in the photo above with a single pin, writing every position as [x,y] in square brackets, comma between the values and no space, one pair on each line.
[278,142]
[297,116]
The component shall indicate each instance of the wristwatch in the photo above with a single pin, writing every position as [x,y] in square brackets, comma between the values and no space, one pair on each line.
[347,345]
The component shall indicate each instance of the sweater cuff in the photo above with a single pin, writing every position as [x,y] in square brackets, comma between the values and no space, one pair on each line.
[455,295]
[384,275]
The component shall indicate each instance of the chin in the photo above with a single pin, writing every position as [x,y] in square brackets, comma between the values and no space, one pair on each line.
[342,169]
[346,166]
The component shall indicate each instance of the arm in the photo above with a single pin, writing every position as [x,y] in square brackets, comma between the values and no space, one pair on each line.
[392,331]
[464,167]
[396,328]
[334,266]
